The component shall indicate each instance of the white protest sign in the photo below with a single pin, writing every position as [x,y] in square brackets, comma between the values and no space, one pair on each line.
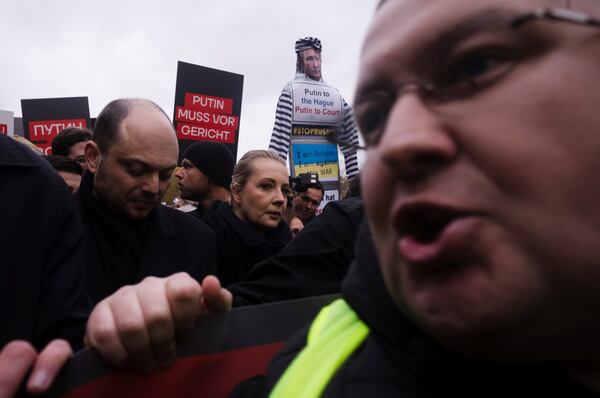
[7,123]
[316,103]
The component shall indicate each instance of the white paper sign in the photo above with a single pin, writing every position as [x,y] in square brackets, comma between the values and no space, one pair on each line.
[7,123]
[316,103]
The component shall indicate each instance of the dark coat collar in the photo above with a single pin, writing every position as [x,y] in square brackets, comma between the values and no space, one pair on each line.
[250,236]
[119,251]
[14,154]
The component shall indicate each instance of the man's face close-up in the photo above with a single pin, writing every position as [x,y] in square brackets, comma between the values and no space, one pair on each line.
[481,181]
[193,183]
[312,63]
[306,204]
[132,177]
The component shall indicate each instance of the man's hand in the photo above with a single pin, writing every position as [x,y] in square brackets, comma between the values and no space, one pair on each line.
[139,324]
[18,357]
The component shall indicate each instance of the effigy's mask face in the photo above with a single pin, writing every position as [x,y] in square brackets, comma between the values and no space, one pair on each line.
[312,63]
[480,120]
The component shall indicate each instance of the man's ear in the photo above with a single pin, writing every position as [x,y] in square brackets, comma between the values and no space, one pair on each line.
[92,156]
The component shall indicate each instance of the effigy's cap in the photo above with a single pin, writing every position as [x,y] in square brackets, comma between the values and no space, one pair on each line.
[306,43]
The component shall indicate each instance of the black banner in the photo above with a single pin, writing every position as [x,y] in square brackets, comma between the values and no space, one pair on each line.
[226,349]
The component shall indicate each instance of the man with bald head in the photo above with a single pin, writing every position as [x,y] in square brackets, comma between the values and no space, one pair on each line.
[130,235]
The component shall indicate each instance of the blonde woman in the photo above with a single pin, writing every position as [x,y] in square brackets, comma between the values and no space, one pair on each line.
[250,227]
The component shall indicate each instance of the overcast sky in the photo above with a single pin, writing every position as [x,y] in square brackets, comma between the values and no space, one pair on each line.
[118,48]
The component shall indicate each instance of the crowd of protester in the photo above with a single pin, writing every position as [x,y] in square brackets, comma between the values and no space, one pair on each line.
[468,270]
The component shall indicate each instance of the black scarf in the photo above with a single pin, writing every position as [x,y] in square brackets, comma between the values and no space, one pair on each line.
[115,243]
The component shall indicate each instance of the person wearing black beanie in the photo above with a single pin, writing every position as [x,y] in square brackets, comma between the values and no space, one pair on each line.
[205,175]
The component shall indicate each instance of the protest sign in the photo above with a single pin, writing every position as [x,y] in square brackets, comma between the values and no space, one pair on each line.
[316,157]
[316,103]
[316,115]
[7,126]
[45,117]
[208,103]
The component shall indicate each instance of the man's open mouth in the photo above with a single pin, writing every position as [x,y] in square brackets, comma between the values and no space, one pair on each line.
[424,223]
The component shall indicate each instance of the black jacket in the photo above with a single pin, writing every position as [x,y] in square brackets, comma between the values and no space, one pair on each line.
[43,246]
[239,245]
[313,263]
[398,360]
[121,252]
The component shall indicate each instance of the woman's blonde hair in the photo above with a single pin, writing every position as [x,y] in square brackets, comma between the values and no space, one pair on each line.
[243,169]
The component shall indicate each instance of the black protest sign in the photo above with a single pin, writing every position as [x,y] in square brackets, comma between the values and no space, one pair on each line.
[225,350]
[208,103]
[43,118]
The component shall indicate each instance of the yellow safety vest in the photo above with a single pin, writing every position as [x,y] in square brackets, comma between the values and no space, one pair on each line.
[334,334]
